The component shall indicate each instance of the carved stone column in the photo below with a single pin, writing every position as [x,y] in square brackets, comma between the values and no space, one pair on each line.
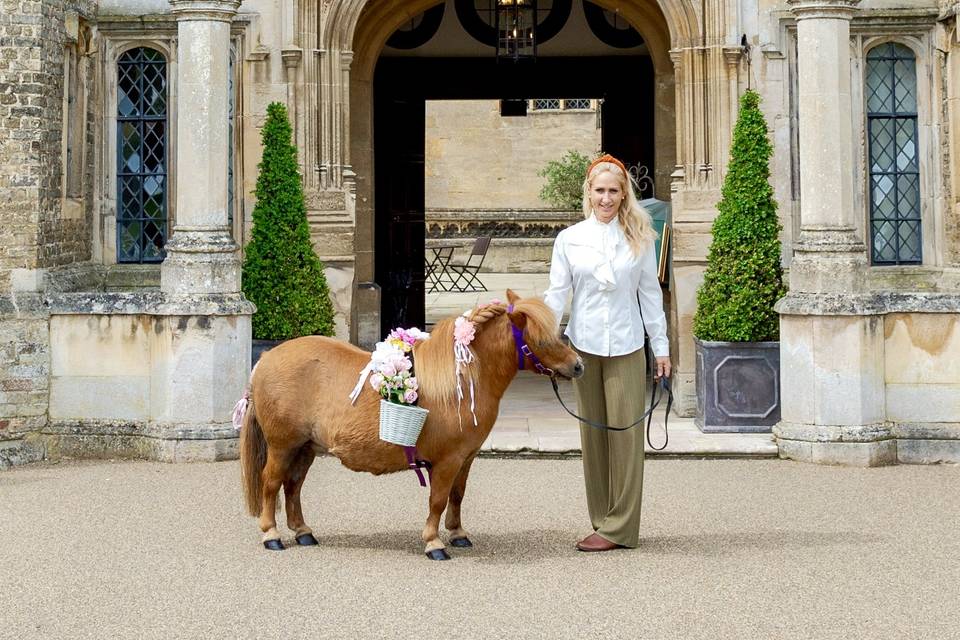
[201,254]
[200,343]
[831,332]
[828,256]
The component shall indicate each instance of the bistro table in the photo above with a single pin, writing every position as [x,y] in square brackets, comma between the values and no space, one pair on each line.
[437,266]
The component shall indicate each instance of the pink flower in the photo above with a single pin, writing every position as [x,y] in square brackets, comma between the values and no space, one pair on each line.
[411,383]
[376,381]
[464,331]
[398,361]
[410,396]
[388,369]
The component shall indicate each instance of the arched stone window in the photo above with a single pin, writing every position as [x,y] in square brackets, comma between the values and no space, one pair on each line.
[141,156]
[893,158]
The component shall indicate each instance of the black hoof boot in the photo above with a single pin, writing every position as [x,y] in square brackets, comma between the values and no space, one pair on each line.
[273,545]
[462,543]
[306,540]
[438,554]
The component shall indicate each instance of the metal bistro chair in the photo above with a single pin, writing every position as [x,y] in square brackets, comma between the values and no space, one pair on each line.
[466,274]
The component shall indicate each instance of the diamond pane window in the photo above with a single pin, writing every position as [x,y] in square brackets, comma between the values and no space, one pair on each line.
[893,156]
[546,104]
[141,156]
[577,103]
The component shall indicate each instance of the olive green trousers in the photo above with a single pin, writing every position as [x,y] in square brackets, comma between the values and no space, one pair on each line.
[611,391]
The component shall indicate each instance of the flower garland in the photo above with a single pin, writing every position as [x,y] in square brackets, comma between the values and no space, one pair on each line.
[390,370]
[464,331]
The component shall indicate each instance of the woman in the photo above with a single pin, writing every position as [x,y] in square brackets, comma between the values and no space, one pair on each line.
[608,262]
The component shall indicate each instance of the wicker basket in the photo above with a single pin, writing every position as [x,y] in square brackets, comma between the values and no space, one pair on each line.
[401,423]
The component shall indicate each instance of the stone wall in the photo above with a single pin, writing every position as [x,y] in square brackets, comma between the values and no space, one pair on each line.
[35,230]
[143,375]
[522,239]
[24,350]
[475,158]
[24,375]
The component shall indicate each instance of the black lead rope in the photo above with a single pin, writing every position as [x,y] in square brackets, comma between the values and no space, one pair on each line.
[524,353]
[663,385]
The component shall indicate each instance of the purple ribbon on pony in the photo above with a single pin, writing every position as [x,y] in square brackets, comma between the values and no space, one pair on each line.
[524,351]
[416,465]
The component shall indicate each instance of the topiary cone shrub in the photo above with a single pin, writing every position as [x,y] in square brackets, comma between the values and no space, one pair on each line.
[282,274]
[744,277]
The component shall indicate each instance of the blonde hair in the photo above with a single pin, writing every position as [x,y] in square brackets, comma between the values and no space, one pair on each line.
[635,220]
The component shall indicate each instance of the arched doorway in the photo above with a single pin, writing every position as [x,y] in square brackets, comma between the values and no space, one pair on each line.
[639,116]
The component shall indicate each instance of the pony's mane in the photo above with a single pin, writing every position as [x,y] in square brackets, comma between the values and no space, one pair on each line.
[436,368]
[542,325]
[434,359]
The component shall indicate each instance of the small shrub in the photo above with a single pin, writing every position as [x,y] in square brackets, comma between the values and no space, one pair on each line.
[564,186]
[744,277]
[282,274]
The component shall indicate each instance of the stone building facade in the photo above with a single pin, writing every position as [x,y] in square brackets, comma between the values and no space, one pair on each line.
[129,135]
[482,173]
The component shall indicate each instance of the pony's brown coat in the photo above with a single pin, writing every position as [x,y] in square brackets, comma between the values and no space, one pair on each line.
[300,405]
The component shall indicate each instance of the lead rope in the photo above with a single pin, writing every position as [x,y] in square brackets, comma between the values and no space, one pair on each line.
[663,384]
[524,352]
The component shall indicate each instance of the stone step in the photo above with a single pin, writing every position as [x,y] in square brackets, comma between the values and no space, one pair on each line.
[14,453]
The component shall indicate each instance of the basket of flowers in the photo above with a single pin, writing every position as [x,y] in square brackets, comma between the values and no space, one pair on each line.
[392,377]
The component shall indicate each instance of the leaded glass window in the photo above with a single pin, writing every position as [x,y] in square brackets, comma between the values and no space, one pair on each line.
[546,104]
[141,156]
[577,103]
[891,95]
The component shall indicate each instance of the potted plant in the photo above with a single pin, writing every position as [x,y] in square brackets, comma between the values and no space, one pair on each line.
[282,274]
[735,327]
[564,180]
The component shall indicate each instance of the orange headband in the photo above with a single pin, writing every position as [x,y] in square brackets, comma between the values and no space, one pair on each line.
[606,158]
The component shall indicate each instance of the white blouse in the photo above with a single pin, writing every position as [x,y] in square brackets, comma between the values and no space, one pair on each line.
[594,259]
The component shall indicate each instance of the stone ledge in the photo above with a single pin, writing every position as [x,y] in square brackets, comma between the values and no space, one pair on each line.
[928,451]
[164,443]
[833,433]
[14,453]
[850,454]
[149,303]
[153,303]
[927,431]
[160,431]
[867,304]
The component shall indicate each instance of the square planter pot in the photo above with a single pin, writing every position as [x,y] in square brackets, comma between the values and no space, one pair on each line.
[738,386]
[259,347]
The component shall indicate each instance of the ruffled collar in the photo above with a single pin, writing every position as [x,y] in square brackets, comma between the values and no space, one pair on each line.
[608,237]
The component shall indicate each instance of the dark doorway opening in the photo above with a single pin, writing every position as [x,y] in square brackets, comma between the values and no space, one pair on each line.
[401,88]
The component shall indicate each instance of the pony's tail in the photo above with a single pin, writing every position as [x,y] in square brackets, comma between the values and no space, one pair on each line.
[253,457]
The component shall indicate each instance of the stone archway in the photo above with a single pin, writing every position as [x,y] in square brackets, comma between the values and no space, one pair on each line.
[696,74]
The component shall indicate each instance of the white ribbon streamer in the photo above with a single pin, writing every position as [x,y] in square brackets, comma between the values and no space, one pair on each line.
[463,355]
[364,374]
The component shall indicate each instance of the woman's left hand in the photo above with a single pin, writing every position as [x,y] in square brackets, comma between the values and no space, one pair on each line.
[663,367]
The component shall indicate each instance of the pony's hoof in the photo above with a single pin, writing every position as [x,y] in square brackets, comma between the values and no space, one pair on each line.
[463,543]
[438,554]
[273,545]
[306,540]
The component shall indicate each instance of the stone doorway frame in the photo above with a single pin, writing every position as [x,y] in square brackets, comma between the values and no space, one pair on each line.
[697,71]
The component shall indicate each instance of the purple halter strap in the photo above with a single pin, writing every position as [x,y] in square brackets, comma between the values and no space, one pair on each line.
[524,351]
